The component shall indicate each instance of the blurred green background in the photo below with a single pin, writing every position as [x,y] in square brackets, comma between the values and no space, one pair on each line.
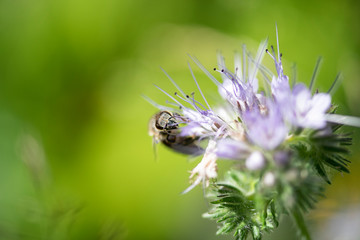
[76,160]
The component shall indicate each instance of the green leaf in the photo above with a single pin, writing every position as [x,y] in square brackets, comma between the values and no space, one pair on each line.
[336,149]
[255,232]
[240,212]
[321,171]
[300,223]
[336,164]
[273,213]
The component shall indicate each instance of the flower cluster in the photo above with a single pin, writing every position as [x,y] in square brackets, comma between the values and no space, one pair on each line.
[283,138]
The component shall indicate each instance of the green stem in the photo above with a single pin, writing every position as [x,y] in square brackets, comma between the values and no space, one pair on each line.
[300,223]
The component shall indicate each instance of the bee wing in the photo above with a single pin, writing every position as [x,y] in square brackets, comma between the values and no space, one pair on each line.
[191,149]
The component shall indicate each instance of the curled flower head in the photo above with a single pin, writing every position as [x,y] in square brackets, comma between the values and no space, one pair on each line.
[280,137]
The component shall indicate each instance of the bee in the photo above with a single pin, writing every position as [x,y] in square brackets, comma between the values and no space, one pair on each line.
[164,128]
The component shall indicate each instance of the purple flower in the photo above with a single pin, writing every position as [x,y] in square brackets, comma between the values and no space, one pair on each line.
[240,96]
[249,124]
[231,149]
[280,88]
[301,109]
[271,129]
[266,130]
[309,111]
[238,89]
[298,106]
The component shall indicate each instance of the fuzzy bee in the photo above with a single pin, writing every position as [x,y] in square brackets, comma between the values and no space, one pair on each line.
[164,128]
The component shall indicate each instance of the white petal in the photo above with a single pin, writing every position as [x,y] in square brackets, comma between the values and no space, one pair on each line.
[321,102]
[303,99]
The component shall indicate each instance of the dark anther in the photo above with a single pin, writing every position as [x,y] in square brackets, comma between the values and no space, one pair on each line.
[266,50]
[193,93]
[175,93]
[239,106]
[222,70]
[280,54]
[187,96]
[214,69]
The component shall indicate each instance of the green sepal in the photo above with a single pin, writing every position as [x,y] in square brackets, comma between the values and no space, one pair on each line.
[236,208]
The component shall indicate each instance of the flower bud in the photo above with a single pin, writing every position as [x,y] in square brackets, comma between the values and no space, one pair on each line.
[255,161]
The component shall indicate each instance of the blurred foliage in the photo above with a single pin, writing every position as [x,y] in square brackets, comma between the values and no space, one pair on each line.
[76,161]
